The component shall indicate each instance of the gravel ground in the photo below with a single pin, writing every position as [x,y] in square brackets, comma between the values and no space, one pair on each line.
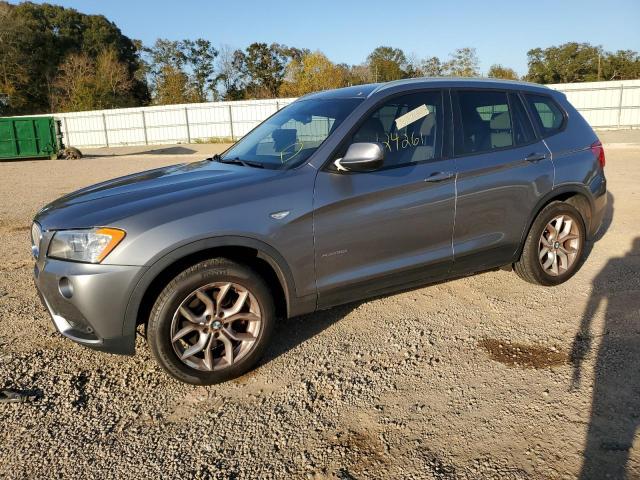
[467,379]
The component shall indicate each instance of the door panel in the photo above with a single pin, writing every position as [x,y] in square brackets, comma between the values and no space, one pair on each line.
[390,226]
[502,173]
[379,231]
[496,194]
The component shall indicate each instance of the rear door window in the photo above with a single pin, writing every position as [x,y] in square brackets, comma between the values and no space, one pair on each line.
[546,113]
[484,123]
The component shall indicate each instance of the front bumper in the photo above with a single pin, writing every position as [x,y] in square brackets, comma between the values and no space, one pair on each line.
[87,302]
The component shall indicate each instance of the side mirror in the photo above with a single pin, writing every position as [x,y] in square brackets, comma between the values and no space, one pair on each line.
[361,157]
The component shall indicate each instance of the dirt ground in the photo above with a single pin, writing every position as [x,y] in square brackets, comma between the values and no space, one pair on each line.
[482,377]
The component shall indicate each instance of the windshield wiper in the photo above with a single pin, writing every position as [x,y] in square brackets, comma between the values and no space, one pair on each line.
[238,161]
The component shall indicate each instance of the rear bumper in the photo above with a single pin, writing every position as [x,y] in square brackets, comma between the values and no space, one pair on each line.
[598,211]
[87,302]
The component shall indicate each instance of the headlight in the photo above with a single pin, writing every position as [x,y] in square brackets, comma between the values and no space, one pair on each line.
[90,246]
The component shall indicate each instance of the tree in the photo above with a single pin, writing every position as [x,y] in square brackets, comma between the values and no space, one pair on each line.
[432,67]
[463,62]
[344,72]
[172,86]
[311,73]
[85,84]
[113,84]
[387,63]
[413,66]
[38,38]
[15,70]
[293,53]
[167,62]
[567,63]
[229,73]
[164,53]
[74,84]
[140,87]
[359,74]
[200,55]
[622,65]
[264,65]
[257,72]
[498,71]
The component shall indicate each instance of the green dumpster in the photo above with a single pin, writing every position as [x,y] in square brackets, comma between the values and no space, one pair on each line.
[29,137]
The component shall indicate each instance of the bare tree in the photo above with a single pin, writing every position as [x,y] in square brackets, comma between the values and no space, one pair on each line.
[229,74]
[112,80]
[85,84]
[74,84]
[413,66]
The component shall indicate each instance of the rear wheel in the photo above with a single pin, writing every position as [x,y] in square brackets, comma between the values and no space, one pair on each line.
[211,323]
[554,247]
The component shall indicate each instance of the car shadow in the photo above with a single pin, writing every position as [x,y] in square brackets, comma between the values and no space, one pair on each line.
[291,332]
[146,151]
[615,406]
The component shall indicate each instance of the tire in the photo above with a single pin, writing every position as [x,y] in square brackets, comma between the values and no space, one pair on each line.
[73,153]
[529,266]
[69,153]
[180,307]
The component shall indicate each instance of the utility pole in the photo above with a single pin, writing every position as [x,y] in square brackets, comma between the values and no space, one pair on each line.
[599,70]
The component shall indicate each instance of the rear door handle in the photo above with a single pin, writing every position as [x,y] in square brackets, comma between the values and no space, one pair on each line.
[535,157]
[438,177]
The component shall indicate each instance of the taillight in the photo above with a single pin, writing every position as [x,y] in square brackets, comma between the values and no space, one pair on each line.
[598,151]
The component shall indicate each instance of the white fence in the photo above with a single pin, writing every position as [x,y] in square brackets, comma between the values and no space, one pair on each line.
[609,105]
[604,104]
[188,123]
[166,124]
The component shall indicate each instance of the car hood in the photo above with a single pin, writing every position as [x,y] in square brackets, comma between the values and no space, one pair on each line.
[107,202]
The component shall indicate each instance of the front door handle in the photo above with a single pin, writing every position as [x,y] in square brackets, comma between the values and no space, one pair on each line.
[439,177]
[535,157]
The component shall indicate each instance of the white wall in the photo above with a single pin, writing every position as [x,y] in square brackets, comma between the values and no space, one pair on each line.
[604,104]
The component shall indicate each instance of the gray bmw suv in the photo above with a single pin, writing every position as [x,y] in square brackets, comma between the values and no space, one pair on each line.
[340,196]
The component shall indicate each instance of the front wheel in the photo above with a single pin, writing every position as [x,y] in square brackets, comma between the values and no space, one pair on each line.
[553,250]
[211,323]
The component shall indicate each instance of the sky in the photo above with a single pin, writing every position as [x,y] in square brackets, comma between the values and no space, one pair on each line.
[502,31]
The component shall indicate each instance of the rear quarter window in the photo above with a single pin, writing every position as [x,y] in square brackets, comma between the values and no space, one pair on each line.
[546,113]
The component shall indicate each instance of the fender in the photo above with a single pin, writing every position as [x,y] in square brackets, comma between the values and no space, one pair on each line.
[265,252]
[567,188]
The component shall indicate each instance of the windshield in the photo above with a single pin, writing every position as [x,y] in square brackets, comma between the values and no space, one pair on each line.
[290,136]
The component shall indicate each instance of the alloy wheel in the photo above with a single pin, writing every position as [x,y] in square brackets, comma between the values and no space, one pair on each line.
[215,326]
[559,245]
